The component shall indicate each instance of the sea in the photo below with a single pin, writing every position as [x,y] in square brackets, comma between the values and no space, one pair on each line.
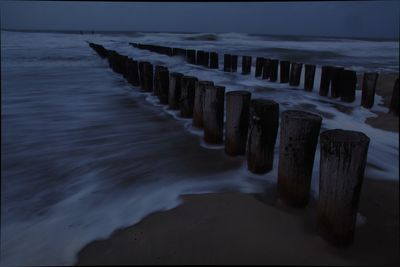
[84,153]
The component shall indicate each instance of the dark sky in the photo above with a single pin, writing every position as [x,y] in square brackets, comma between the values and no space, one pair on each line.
[379,19]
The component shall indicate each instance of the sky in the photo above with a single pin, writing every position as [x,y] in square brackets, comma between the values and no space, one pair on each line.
[373,19]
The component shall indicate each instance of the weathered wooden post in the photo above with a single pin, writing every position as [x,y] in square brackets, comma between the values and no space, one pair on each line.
[213,114]
[335,81]
[298,142]
[285,69]
[295,74]
[213,60]
[156,84]
[263,129]
[142,75]
[394,103]
[309,75]
[163,89]
[148,76]
[234,63]
[227,63]
[342,164]
[259,66]
[348,83]
[174,94]
[325,80]
[199,103]
[187,96]
[133,73]
[266,68]
[368,89]
[200,57]
[206,59]
[175,51]
[237,122]
[246,65]
[273,74]
[191,56]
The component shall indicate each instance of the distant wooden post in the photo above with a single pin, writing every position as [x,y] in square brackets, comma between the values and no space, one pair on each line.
[213,60]
[206,59]
[133,73]
[174,94]
[199,103]
[237,122]
[325,80]
[394,103]
[191,56]
[213,114]
[142,75]
[200,57]
[227,63]
[156,85]
[148,76]
[285,69]
[266,68]
[187,96]
[309,75]
[163,89]
[175,51]
[295,74]
[259,66]
[263,129]
[335,81]
[342,165]
[246,65]
[348,83]
[234,59]
[368,89]
[273,74]
[298,142]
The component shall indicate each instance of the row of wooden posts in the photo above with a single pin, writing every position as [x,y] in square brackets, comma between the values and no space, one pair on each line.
[251,129]
[341,82]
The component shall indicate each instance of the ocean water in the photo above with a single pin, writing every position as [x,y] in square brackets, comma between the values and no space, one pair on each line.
[84,153]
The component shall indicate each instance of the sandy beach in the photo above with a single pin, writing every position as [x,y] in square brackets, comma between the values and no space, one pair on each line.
[235,228]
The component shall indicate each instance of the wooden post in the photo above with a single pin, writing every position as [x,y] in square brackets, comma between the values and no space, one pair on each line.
[298,142]
[142,75]
[234,60]
[394,103]
[206,59]
[133,73]
[246,65]
[174,94]
[227,63]
[259,66]
[325,80]
[348,83]
[342,164]
[191,56]
[163,86]
[200,57]
[368,89]
[199,103]
[266,68]
[273,74]
[309,75]
[295,74]
[285,68]
[335,81]
[263,129]
[213,60]
[156,85]
[237,122]
[175,51]
[213,114]
[187,96]
[148,76]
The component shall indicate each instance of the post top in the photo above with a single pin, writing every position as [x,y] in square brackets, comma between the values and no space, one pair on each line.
[264,102]
[206,83]
[343,136]
[176,74]
[239,93]
[301,115]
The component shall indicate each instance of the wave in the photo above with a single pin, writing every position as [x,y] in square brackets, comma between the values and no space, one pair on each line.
[202,37]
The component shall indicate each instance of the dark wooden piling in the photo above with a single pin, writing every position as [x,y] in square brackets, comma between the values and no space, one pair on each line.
[394,103]
[213,114]
[156,84]
[295,74]
[266,68]
[148,76]
[342,165]
[348,83]
[200,57]
[227,63]
[263,129]
[325,80]
[285,69]
[368,89]
[199,103]
[163,86]
[335,81]
[234,60]
[142,75]
[133,73]
[298,142]
[237,122]
[206,59]
[309,75]
[213,60]
[187,96]
[246,65]
[174,94]
[273,73]
[259,66]
[191,56]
